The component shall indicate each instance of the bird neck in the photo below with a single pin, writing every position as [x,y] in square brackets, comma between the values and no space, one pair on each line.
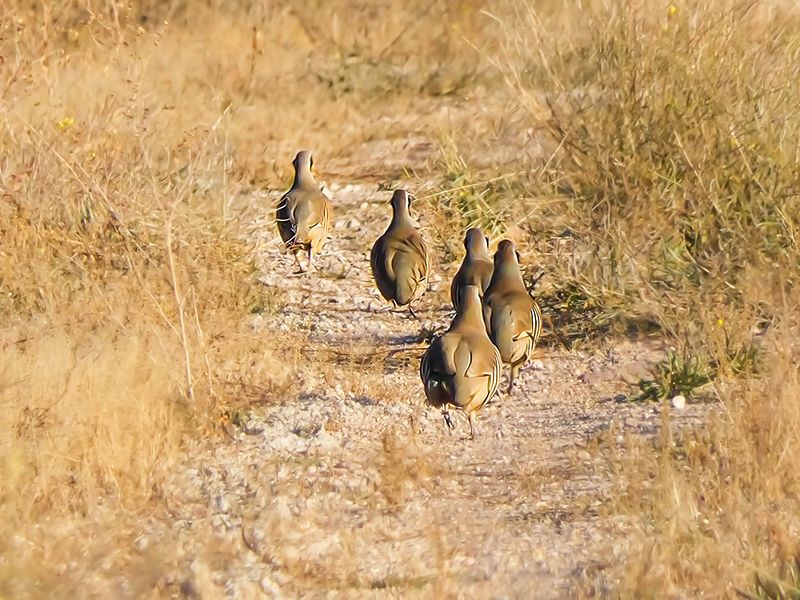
[303,178]
[401,218]
[508,271]
[478,254]
[470,311]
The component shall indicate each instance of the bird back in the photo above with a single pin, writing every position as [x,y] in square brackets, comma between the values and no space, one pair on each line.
[400,264]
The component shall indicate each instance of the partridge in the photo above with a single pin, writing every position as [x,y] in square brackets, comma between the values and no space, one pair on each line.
[513,320]
[304,212]
[462,367]
[399,258]
[475,270]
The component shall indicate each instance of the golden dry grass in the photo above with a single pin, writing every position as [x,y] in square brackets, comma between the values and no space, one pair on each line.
[136,138]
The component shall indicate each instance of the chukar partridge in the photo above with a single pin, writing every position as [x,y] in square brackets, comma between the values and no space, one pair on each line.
[475,270]
[513,320]
[462,367]
[399,258]
[304,212]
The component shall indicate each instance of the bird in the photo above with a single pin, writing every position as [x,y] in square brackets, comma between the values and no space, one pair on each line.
[476,269]
[462,367]
[304,213]
[513,319]
[399,258]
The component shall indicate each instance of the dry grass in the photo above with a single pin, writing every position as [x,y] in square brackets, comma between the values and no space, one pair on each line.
[647,153]
[677,156]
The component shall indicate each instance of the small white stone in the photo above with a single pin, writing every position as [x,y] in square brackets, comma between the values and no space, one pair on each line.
[221,504]
[537,365]
[257,323]
[141,542]
[268,586]
[679,402]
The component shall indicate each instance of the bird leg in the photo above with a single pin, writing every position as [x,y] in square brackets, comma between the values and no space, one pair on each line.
[447,420]
[413,314]
[512,372]
[297,262]
[472,425]
[311,266]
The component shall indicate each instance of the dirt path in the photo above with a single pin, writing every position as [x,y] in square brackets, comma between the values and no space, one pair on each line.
[354,488]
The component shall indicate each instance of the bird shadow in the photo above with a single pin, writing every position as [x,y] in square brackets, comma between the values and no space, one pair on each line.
[365,401]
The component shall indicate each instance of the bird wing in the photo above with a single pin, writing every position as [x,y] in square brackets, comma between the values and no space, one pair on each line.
[522,316]
[409,261]
[454,361]
[398,269]
[382,270]
[481,377]
[485,360]
[500,325]
[319,209]
[284,218]
[528,328]
[318,220]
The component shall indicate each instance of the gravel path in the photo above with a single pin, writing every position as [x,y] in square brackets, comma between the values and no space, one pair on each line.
[354,488]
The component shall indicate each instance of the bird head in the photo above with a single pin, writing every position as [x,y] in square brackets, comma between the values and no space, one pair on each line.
[476,243]
[401,202]
[506,253]
[303,161]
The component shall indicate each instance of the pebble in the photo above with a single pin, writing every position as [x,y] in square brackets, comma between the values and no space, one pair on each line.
[257,323]
[268,586]
[142,542]
[679,402]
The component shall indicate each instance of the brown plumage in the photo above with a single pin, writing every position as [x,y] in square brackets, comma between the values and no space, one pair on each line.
[462,367]
[304,212]
[399,258]
[513,320]
[475,270]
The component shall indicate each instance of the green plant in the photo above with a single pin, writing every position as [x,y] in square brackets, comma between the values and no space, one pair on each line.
[677,375]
